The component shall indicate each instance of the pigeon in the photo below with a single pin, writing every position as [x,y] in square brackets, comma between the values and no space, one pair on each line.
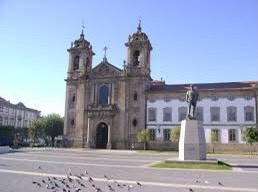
[191,190]
[110,188]
[138,183]
[220,183]
[39,167]
[43,181]
[36,183]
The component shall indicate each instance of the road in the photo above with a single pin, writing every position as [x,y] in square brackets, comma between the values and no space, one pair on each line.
[114,170]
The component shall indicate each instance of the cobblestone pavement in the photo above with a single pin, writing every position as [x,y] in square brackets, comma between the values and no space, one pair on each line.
[33,170]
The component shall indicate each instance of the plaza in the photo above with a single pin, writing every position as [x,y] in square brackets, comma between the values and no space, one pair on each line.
[120,170]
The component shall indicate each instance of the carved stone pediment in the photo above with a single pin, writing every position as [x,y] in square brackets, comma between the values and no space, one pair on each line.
[105,69]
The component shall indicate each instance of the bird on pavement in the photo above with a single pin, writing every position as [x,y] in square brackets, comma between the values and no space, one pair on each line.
[191,190]
[36,183]
[138,183]
[220,183]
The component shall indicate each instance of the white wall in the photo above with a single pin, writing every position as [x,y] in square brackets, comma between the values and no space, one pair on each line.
[223,125]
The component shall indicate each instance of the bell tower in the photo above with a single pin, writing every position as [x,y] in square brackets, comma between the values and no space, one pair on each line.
[138,54]
[137,73]
[79,71]
[80,57]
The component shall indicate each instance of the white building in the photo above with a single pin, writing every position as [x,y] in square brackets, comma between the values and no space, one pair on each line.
[17,115]
[224,108]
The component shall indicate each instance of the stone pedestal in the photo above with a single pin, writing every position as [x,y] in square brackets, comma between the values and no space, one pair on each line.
[192,144]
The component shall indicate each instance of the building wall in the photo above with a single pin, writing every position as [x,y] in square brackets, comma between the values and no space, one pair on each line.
[223,125]
[16,115]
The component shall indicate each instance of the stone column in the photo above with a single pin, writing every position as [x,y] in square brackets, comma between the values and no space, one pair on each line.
[88,134]
[109,146]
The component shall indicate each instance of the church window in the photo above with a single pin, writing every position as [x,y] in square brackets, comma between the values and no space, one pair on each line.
[103,95]
[72,122]
[76,62]
[73,99]
[232,113]
[199,113]
[136,58]
[215,113]
[134,122]
[87,62]
[249,113]
[135,96]
[167,114]
[152,112]
[182,111]
[152,134]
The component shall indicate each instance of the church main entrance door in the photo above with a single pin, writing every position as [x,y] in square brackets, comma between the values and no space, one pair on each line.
[102,136]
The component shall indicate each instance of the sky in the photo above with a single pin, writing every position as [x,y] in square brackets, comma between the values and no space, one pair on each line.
[194,41]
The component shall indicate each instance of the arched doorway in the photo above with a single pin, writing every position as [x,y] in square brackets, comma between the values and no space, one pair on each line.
[101,136]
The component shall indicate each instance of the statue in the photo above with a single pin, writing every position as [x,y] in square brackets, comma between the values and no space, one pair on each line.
[191,98]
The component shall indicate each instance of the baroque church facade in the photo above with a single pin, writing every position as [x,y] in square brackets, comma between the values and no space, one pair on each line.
[106,106]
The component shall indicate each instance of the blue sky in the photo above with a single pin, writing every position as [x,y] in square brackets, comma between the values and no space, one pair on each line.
[194,41]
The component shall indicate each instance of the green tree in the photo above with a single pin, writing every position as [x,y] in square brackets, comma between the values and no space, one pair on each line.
[175,134]
[214,139]
[250,135]
[53,126]
[36,129]
[143,136]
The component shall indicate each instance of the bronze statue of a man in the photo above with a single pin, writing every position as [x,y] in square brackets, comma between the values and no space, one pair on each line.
[191,98]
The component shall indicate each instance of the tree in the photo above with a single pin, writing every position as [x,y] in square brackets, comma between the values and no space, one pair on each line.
[36,129]
[53,126]
[250,135]
[175,134]
[214,138]
[143,136]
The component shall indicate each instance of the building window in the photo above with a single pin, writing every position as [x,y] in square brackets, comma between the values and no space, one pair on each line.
[199,113]
[248,96]
[231,97]
[103,95]
[215,113]
[1,108]
[167,98]
[249,113]
[152,112]
[7,109]
[232,113]
[182,112]
[6,121]
[214,135]
[76,62]
[166,134]
[72,122]
[134,122]
[135,96]
[152,134]
[231,135]
[214,98]
[136,58]
[73,98]
[167,114]
[12,121]
[1,120]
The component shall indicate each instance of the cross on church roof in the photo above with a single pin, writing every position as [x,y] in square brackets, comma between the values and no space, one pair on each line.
[105,53]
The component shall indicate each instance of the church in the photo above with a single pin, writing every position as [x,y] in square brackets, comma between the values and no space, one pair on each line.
[106,106]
